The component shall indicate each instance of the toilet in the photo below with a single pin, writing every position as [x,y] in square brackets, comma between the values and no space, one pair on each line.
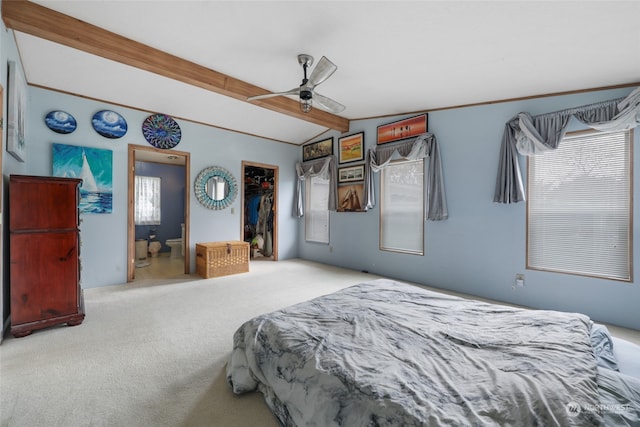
[177,245]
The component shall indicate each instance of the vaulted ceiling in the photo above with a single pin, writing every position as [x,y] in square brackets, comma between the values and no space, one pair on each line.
[200,60]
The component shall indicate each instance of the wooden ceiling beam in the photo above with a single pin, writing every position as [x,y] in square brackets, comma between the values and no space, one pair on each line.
[39,21]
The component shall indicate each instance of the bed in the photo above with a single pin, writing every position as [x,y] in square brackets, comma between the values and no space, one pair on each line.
[386,353]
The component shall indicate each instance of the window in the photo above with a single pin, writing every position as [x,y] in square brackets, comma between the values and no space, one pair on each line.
[147,208]
[316,210]
[579,207]
[402,207]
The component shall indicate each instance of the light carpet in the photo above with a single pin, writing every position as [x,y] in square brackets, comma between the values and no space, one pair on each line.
[153,354]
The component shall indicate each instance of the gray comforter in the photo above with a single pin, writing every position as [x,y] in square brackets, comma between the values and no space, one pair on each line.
[384,353]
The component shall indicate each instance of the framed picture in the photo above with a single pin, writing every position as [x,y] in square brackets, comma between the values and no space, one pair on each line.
[351,148]
[352,173]
[318,149]
[402,129]
[351,197]
[95,167]
[17,110]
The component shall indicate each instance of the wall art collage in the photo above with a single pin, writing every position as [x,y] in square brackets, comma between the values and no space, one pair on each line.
[159,130]
[351,177]
[351,172]
[93,165]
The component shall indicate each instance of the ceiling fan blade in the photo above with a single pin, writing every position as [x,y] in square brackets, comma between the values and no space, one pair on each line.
[295,91]
[321,72]
[327,103]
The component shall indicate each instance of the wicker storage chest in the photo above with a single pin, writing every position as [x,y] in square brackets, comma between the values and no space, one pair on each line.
[222,258]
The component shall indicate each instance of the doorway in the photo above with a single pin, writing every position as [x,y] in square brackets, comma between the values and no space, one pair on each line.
[259,223]
[139,153]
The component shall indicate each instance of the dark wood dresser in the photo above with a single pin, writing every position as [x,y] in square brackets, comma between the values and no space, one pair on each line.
[44,250]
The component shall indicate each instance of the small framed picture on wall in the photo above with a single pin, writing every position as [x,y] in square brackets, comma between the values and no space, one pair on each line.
[402,129]
[317,150]
[350,174]
[351,197]
[351,148]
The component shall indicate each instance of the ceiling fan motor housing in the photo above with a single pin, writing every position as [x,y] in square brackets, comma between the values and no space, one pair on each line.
[305,94]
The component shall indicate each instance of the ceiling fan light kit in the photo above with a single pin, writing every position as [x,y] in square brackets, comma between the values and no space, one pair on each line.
[305,92]
[305,105]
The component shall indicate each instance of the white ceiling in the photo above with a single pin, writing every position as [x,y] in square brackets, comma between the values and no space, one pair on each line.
[393,57]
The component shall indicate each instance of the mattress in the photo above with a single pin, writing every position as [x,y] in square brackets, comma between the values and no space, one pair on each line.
[389,353]
[627,355]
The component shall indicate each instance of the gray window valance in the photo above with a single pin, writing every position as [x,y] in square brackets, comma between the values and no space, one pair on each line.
[423,146]
[528,135]
[324,168]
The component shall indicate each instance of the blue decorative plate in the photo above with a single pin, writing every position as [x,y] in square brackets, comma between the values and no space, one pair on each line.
[109,124]
[60,122]
[161,131]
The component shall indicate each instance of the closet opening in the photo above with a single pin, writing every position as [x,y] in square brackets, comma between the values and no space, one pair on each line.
[259,205]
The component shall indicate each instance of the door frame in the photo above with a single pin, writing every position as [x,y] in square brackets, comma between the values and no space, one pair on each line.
[276,172]
[158,154]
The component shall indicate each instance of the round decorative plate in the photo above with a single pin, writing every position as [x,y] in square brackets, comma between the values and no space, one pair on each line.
[109,124]
[161,131]
[60,122]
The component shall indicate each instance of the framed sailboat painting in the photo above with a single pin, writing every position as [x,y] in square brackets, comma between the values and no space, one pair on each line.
[94,166]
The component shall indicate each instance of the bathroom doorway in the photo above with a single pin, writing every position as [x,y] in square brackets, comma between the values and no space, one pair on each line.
[174,159]
[259,221]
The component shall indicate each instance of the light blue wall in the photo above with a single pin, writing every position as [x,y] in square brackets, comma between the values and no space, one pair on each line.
[104,236]
[481,247]
[478,250]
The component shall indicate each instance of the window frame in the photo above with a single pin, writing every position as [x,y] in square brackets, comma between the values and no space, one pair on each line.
[629,225]
[310,213]
[383,246]
[157,202]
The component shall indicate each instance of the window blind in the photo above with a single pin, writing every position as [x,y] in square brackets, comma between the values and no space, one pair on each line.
[402,207]
[579,206]
[316,210]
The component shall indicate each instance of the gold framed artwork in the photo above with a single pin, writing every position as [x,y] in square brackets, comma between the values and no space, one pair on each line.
[351,197]
[402,129]
[351,148]
[316,150]
[351,173]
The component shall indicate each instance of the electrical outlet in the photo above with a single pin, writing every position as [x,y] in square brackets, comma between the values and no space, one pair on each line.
[520,280]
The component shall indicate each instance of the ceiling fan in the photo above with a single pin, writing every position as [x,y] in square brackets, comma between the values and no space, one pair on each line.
[323,70]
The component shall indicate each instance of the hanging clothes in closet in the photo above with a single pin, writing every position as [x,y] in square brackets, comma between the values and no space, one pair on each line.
[259,221]
[251,214]
[265,223]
